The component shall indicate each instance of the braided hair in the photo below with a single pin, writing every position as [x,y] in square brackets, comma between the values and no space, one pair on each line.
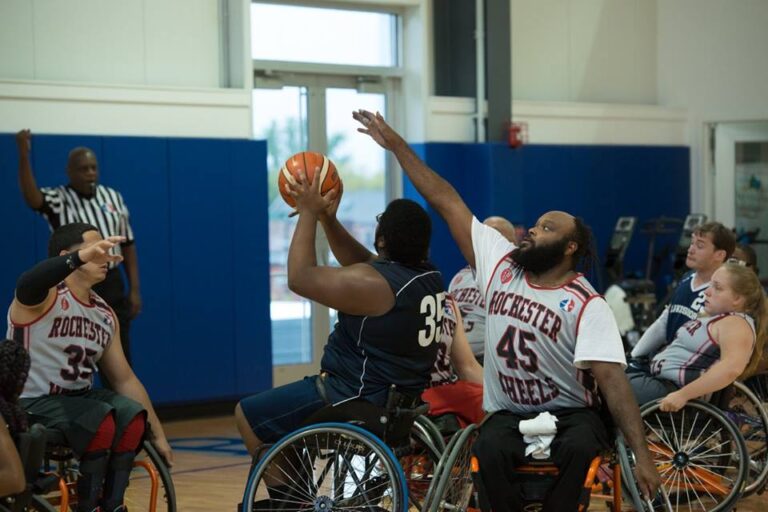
[585,256]
[14,368]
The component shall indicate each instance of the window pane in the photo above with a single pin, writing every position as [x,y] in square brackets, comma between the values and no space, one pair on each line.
[331,36]
[280,117]
[361,164]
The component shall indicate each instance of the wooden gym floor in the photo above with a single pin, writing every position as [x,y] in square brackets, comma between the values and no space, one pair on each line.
[211,466]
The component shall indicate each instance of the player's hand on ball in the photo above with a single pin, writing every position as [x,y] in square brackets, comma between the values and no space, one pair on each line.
[98,252]
[375,126]
[332,199]
[673,402]
[307,195]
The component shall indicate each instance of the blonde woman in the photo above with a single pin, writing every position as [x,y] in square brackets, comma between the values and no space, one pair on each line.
[710,352]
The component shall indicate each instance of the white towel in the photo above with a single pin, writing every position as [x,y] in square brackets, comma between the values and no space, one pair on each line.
[538,433]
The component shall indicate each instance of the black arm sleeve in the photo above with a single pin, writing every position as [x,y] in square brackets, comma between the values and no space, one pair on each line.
[33,285]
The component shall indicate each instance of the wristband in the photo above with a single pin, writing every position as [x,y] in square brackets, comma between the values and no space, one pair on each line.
[73,260]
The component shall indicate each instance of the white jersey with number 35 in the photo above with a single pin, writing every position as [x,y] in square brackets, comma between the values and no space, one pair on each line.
[539,341]
[65,343]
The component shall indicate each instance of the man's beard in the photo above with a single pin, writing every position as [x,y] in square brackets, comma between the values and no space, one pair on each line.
[538,259]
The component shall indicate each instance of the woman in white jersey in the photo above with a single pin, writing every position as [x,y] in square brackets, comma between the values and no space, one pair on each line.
[710,352]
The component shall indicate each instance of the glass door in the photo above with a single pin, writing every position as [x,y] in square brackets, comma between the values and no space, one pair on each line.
[315,113]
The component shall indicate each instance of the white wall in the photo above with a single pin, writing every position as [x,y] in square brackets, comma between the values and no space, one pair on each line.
[143,67]
[713,62]
[168,42]
[598,51]
[583,72]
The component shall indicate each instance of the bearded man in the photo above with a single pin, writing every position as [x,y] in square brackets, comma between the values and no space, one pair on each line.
[551,342]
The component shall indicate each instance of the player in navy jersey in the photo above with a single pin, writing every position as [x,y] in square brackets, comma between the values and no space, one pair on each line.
[68,329]
[549,340]
[390,314]
[710,352]
[711,246]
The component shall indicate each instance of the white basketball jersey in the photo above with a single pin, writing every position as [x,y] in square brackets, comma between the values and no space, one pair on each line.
[65,344]
[693,351]
[468,296]
[532,359]
[442,372]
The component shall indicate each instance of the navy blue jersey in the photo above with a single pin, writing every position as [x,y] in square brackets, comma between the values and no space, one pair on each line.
[685,305]
[366,354]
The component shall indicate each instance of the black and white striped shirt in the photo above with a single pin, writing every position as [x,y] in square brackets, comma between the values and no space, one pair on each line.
[105,209]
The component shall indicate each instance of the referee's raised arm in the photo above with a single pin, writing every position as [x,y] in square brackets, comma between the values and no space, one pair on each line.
[437,191]
[32,195]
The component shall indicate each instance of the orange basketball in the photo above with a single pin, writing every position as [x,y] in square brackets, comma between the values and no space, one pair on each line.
[309,161]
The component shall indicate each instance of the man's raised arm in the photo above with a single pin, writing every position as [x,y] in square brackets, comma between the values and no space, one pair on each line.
[437,191]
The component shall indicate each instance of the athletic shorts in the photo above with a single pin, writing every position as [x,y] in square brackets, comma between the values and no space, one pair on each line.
[276,412]
[78,416]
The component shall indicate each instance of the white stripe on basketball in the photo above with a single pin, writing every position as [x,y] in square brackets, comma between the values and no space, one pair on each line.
[287,175]
[324,171]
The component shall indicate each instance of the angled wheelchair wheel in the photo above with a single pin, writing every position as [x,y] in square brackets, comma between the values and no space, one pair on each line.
[630,490]
[419,462]
[327,466]
[700,455]
[758,384]
[427,429]
[452,489]
[151,486]
[747,412]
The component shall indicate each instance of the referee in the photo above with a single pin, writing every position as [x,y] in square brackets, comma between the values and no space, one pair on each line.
[84,200]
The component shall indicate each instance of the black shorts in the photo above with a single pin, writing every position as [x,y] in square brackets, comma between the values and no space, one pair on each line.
[78,416]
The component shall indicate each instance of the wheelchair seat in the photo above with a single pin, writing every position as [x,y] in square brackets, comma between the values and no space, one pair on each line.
[392,423]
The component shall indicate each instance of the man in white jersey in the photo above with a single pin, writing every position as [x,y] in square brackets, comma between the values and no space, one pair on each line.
[68,329]
[464,289]
[549,340]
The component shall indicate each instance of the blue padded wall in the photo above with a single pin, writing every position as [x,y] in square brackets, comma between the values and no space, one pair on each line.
[199,212]
[598,183]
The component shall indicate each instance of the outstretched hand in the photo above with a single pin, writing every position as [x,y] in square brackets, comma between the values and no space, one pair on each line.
[24,140]
[375,126]
[307,195]
[98,252]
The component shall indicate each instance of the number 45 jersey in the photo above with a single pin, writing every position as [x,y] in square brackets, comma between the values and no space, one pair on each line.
[65,343]
[539,341]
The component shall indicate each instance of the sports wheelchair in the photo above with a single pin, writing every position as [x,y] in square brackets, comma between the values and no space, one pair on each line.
[709,453]
[352,456]
[152,491]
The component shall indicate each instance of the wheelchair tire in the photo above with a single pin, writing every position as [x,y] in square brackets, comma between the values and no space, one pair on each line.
[453,483]
[341,451]
[419,466]
[700,454]
[430,430]
[747,412]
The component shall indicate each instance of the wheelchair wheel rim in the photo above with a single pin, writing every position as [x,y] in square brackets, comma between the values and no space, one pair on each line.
[700,455]
[325,468]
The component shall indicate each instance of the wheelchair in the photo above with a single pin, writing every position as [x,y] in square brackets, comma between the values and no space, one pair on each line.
[701,453]
[355,456]
[150,487]
[747,410]
[31,448]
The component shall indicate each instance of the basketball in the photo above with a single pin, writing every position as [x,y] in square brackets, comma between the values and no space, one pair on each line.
[309,161]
